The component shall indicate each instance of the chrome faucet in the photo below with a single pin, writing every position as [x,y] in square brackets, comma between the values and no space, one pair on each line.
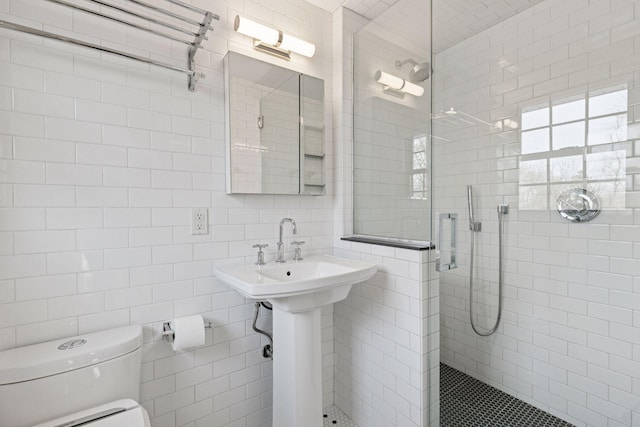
[280,256]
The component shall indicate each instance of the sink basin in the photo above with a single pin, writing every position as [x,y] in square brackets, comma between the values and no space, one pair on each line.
[297,291]
[323,275]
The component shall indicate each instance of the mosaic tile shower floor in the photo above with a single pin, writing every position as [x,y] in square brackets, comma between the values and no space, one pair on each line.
[335,417]
[468,402]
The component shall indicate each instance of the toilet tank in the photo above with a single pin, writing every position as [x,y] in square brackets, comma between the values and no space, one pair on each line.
[44,381]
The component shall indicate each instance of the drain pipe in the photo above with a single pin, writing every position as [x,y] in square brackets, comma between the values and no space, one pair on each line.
[267,350]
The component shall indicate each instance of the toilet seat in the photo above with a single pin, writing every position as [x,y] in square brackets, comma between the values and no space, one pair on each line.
[125,412]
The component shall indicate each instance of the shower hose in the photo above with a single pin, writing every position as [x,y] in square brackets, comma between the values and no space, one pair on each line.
[501,213]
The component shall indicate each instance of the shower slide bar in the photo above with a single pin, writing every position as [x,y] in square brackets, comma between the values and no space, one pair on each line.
[475,227]
[194,45]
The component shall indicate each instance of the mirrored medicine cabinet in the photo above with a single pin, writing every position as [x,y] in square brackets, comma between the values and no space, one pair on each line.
[275,130]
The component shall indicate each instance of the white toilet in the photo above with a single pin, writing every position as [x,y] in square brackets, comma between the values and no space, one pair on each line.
[90,380]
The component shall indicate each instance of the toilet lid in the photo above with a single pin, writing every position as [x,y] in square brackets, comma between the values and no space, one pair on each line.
[125,412]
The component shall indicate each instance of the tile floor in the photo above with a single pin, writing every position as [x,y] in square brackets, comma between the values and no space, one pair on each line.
[333,416]
[467,402]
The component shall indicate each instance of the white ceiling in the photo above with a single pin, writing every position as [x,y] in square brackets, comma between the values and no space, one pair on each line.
[457,20]
[454,20]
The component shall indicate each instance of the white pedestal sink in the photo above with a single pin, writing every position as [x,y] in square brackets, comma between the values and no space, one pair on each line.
[297,291]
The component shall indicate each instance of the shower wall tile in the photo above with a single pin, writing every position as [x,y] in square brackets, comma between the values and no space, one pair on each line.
[567,337]
[102,161]
[386,342]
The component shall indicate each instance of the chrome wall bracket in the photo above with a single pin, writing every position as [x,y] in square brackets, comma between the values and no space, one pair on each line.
[200,36]
[393,92]
[272,50]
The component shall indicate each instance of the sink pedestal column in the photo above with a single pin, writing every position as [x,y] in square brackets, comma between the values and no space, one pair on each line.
[297,368]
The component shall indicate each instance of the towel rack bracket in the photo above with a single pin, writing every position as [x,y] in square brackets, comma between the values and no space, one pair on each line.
[204,27]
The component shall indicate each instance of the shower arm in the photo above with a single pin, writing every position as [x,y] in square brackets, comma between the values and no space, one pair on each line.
[406,61]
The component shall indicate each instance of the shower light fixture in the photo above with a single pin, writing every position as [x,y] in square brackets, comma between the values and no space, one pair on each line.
[274,42]
[396,86]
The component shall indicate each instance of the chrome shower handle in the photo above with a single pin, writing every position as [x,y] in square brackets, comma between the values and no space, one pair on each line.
[440,265]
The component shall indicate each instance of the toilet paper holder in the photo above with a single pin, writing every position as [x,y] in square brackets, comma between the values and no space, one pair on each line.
[169,334]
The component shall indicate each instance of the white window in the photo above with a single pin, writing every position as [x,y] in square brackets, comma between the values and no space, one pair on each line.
[419,181]
[577,142]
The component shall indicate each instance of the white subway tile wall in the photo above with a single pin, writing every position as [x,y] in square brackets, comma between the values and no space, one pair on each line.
[568,340]
[387,340]
[102,159]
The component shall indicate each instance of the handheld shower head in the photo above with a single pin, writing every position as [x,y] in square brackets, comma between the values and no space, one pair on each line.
[470,203]
[420,72]
[473,225]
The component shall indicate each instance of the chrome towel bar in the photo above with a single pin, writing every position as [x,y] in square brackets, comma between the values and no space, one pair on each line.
[34,31]
[198,35]
[130,24]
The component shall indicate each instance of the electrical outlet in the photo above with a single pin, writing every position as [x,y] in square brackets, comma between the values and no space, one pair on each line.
[199,221]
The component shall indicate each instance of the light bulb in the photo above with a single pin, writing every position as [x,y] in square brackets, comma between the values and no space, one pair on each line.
[413,89]
[389,80]
[257,31]
[273,37]
[296,45]
[396,83]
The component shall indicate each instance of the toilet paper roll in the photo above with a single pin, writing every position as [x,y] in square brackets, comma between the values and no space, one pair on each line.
[188,332]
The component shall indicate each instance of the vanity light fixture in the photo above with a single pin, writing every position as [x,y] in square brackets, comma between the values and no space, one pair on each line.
[274,42]
[396,86]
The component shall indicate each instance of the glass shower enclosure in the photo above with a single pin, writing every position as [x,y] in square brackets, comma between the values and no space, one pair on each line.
[536,106]
[391,144]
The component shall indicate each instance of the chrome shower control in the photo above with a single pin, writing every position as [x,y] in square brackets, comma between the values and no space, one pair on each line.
[578,205]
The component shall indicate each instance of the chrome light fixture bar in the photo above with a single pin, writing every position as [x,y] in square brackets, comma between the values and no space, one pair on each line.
[272,41]
[396,86]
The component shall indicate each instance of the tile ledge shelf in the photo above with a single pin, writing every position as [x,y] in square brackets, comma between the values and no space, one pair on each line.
[416,245]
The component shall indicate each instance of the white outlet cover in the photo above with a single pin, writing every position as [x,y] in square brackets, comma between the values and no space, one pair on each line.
[199,221]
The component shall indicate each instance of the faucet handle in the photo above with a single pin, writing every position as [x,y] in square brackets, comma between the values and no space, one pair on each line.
[260,260]
[297,255]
